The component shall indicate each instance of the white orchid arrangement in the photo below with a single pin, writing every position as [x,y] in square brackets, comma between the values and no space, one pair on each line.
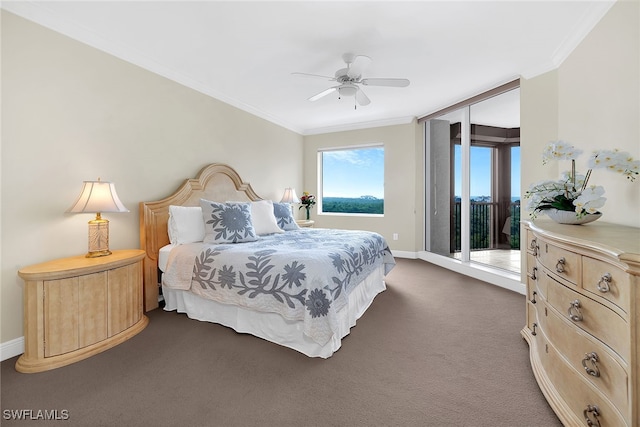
[571,193]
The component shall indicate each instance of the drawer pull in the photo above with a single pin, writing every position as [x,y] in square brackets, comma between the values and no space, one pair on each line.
[592,359]
[574,311]
[603,284]
[534,326]
[534,247]
[560,265]
[589,412]
[533,300]
[533,274]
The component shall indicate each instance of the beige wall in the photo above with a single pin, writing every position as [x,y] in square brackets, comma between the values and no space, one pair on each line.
[593,101]
[538,125]
[400,170]
[72,113]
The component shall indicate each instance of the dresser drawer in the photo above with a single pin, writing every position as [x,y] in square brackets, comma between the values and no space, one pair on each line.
[531,265]
[559,261]
[577,392]
[537,285]
[608,374]
[532,290]
[536,300]
[592,316]
[607,281]
[532,318]
[532,243]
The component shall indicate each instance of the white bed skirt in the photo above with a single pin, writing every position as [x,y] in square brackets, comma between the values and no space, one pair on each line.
[273,327]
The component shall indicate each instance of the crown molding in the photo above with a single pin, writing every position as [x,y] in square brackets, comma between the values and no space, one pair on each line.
[590,18]
[584,25]
[39,14]
[360,125]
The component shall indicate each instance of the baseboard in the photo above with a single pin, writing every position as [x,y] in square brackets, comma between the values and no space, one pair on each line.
[11,348]
[404,254]
[501,278]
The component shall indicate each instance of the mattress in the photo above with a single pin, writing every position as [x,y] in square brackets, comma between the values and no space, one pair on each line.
[163,256]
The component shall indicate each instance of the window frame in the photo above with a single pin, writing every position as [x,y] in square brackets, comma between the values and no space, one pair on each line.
[320,169]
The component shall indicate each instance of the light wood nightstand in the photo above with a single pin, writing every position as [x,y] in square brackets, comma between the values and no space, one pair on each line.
[77,307]
[305,223]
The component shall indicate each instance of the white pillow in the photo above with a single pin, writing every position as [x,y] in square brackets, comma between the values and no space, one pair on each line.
[264,221]
[185,224]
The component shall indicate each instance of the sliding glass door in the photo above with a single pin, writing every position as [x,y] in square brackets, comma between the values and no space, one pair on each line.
[472,175]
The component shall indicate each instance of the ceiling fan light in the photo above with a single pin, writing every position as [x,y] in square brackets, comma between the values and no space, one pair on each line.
[347,90]
[350,78]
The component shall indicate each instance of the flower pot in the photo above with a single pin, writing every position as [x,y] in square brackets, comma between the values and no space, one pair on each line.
[570,217]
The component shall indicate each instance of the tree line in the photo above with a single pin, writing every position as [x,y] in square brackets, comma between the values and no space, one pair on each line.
[352,205]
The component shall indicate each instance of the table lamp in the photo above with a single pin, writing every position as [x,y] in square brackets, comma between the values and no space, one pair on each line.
[290,197]
[97,197]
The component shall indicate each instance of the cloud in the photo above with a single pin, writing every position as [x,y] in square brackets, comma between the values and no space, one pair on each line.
[357,157]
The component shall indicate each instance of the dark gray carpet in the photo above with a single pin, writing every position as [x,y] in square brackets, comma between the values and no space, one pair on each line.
[435,349]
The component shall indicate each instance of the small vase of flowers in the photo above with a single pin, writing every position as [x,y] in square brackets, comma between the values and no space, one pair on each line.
[570,200]
[307,201]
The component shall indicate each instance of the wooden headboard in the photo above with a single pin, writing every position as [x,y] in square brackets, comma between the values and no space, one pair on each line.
[217,182]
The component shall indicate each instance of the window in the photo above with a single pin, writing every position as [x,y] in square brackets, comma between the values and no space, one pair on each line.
[352,180]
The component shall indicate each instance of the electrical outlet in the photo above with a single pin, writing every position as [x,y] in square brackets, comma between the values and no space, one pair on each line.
[395,236]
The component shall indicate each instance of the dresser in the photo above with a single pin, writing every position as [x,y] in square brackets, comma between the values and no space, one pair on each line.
[77,307]
[583,320]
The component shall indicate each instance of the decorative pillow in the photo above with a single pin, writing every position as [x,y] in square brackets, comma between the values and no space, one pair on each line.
[185,224]
[264,220]
[227,222]
[284,217]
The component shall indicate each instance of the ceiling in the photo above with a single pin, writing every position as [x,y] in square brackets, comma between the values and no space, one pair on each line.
[244,53]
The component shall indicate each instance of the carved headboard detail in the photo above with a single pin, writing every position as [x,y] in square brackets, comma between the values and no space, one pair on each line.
[217,182]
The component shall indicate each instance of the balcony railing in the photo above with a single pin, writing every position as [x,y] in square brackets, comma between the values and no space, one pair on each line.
[485,232]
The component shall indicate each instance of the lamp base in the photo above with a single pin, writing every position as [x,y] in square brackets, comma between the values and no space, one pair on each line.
[95,254]
[98,237]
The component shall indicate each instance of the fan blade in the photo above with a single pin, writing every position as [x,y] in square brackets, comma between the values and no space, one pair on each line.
[318,76]
[362,98]
[358,66]
[386,82]
[323,93]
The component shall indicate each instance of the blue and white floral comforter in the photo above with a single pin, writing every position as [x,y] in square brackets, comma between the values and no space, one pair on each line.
[304,275]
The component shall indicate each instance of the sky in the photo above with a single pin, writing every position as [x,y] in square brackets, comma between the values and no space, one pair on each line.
[360,172]
[481,172]
[353,173]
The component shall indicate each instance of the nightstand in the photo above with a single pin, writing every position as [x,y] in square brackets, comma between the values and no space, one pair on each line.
[305,223]
[77,307]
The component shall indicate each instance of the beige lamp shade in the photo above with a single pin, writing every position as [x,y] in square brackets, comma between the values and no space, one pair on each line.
[97,197]
[289,196]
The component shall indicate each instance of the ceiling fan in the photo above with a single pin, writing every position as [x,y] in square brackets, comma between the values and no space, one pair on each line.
[350,79]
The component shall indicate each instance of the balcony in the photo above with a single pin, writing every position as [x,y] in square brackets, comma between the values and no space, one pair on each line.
[494,239]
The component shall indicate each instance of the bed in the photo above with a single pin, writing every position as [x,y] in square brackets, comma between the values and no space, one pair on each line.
[226,256]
